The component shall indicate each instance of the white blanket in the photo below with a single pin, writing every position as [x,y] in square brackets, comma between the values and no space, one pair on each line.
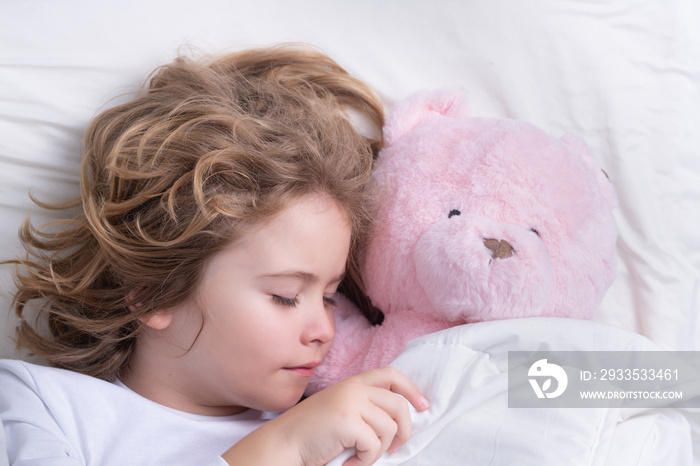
[464,372]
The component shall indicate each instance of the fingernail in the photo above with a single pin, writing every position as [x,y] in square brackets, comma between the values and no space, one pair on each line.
[424,402]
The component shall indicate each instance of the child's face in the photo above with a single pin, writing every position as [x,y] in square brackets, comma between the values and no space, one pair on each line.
[265,307]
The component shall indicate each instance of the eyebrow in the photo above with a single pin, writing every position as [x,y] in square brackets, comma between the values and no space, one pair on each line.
[300,275]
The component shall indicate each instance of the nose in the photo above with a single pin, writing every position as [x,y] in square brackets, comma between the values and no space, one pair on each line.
[320,325]
[500,249]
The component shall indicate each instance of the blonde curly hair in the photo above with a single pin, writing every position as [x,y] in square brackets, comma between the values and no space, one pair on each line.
[209,149]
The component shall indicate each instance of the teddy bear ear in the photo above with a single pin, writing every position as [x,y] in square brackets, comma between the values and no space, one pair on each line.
[579,147]
[422,106]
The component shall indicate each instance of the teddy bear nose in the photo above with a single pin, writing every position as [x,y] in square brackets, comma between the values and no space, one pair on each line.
[500,249]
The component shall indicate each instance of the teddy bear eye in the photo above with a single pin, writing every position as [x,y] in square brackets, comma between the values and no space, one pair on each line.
[453,212]
[535,231]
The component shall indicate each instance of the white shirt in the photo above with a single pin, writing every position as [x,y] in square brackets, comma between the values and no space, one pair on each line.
[56,417]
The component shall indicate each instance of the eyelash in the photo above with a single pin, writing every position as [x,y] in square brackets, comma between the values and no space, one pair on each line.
[329,301]
[292,302]
[288,302]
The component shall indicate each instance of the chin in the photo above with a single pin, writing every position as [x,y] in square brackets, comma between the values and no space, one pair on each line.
[280,406]
[282,403]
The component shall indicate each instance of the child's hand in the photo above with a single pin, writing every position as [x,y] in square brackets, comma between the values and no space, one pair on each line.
[362,412]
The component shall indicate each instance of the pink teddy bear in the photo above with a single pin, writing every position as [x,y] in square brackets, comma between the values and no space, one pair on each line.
[478,219]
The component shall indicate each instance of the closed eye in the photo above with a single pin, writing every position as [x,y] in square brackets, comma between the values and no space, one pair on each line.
[453,212]
[535,231]
[293,302]
[288,302]
[329,301]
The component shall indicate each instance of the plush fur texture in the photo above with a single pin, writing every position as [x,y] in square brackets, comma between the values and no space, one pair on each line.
[479,219]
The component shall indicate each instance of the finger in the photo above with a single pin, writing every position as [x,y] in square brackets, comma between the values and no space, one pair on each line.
[396,407]
[367,447]
[384,426]
[393,380]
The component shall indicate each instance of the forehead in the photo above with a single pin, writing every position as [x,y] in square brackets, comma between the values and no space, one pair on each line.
[302,216]
[301,235]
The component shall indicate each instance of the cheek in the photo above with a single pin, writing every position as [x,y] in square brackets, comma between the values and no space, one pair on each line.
[235,320]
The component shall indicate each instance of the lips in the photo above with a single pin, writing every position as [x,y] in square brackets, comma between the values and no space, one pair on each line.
[306,370]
